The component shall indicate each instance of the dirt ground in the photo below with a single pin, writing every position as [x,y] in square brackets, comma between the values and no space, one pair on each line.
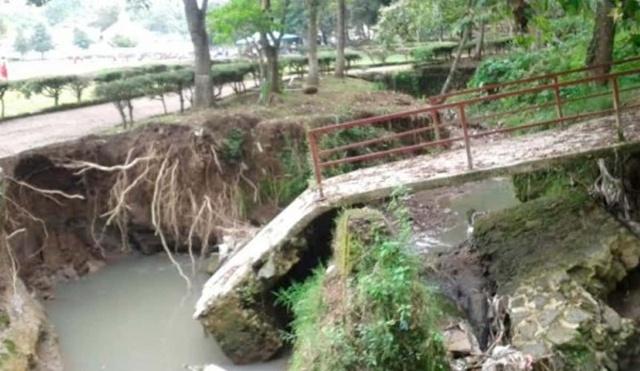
[38,131]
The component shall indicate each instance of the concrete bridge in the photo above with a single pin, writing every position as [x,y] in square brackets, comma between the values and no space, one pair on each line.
[258,264]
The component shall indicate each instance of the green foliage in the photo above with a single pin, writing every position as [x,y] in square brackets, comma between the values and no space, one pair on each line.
[433,51]
[78,84]
[57,11]
[81,39]
[123,89]
[21,44]
[5,320]
[41,40]
[48,86]
[295,170]
[579,174]
[379,316]
[227,73]
[122,41]
[233,146]
[350,136]
[106,16]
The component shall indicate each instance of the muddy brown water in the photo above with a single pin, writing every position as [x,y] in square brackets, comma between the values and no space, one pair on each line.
[448,225]
[135,315]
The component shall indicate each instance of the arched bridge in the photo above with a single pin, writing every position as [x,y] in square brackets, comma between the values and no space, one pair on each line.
[532,124]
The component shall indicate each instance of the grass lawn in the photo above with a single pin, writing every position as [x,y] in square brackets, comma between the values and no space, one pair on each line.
[17,104]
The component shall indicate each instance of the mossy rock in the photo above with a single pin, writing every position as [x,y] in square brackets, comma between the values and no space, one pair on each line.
[355,230]
[569,233]
[556,259]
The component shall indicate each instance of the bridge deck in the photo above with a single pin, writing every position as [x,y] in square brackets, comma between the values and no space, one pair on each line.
[504,156]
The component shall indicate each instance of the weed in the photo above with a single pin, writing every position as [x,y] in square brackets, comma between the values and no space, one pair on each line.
[378,315]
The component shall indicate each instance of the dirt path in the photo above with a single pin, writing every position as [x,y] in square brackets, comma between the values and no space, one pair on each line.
[37,131]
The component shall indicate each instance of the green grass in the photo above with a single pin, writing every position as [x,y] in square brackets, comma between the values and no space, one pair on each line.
[372,312]
[17,104]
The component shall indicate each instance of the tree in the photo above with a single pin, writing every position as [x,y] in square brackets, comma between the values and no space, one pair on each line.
[106,16]
[81,39]
[57,11]
[243,19]
[364,15]
[41,40]
[341,36]
[313,78]
[196,20]
[604,31]
[21,44]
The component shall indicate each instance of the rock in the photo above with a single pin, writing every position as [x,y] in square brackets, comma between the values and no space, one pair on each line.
[459,341]
[558,259]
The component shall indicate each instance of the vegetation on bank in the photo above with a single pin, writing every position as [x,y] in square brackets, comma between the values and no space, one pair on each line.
[370,310]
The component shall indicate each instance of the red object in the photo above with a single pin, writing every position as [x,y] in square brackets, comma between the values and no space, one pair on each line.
[3,71]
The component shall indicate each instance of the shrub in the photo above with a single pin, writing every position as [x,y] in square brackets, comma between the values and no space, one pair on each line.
[122,41]
[122,92]
[4,87]
[48,86]
[78,84]
[231,73]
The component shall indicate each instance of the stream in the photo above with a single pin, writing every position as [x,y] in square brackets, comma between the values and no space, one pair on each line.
[137,315]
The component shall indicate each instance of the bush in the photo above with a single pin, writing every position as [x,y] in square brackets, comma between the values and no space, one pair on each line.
[371,311]
[78,84]
[231,73]
[174,81]
[432,51]
[121,41]
[48,86]
[122,92]
[4,87]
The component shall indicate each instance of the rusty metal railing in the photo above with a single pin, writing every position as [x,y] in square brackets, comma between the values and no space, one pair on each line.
[428,130]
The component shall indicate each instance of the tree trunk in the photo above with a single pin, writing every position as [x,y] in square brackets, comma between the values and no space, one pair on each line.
[181,96]
[456,61]
[342,38]
[520,10]
[601,47]
[272,70]
[480,43]
[197,28]
[120,106]
[130,107]
[313,77]
[270,51]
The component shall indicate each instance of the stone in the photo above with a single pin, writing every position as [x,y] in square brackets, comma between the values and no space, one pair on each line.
[557,259]
[460,341]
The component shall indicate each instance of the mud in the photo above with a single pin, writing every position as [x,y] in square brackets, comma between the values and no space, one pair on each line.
[181,169]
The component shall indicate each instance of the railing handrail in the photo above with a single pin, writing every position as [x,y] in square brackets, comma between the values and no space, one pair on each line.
[444,106]
[433,112]
[442,97]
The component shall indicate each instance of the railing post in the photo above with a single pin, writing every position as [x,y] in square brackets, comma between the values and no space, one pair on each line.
[616,107]
[435,118]
[556,89]
[315,157]
[465,131]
